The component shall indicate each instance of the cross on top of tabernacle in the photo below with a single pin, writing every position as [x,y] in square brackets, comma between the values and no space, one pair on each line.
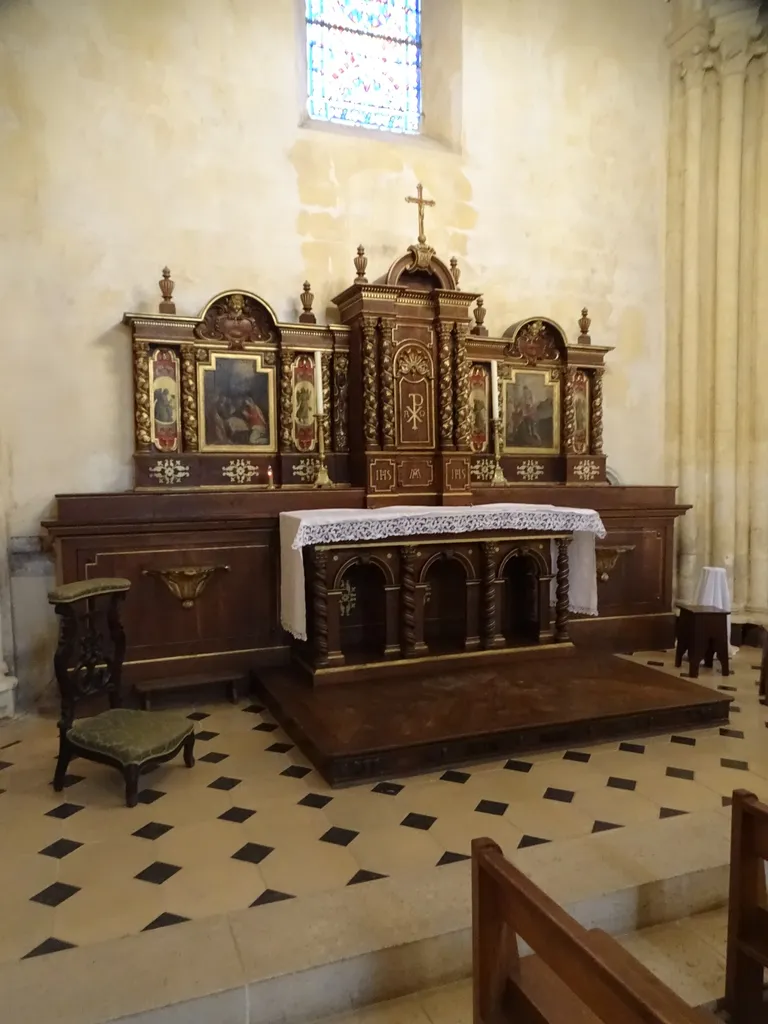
[421,203]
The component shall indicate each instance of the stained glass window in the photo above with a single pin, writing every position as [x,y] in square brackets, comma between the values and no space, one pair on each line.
[364,63]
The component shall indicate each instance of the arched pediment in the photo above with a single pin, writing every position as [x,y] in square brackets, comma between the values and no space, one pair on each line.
[420,269]
[537,339]
[238,318]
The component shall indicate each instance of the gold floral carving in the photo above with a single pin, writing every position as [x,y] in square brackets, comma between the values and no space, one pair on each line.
[189,398]
[237,320]
[445,332]
[325,370]
[387,383]
[340,397]
[606,559]
[597,412]
[462,417]
[187,582]
[370,390]
[142,418]
[570,411]
[286,400]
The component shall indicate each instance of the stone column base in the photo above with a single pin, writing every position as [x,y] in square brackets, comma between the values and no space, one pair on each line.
[8,686]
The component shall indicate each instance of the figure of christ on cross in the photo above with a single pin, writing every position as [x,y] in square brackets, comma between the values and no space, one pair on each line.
[421,202]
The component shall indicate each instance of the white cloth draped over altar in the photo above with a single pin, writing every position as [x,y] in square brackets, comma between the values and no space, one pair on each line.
[331,526]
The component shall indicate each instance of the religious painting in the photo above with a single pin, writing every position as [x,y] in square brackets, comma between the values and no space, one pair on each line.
[479,398]
[304,403]
[236,398]
[531,412]
[415,413]
[580,412]
[164,405]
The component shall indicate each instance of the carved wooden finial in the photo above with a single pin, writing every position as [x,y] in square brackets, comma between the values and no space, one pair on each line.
[166,290]
[361,262]
[307,298]
[479,314]
[455,271]
[584,322]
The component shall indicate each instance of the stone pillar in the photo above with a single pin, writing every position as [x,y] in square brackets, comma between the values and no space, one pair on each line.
[8,683]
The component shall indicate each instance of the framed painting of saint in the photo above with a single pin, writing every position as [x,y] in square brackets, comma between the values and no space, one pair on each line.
[479,392]
[531,413]
[164,404]
[236,403]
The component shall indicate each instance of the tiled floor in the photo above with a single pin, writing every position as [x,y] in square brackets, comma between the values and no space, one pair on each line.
[252,823]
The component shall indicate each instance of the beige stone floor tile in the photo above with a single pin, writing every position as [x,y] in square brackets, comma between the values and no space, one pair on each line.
[257,791]
[396,851]
[94,824]
[361,809]
[437,798]
[15,807]
[627,765]
[115,858]
[397,1011]
[505,785]
[28,835]
[678,794]
[687,964]
[724,780]
[711,928]
[216,887]
[303,869]
[190,845]
[286,824]
[618,806]
[105,909]
[455,832]
[449,1005]
[189,807]
[549,819]
[564,774]
[23,926]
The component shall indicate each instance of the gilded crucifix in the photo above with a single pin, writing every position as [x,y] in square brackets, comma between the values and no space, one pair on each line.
[421,202]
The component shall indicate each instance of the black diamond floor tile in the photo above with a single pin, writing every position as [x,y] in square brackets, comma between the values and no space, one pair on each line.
[64,811]
[224,782]
[491,807]
[253,853]
[449,857]
[163,921]
[55,894]
[655,664]
[728,689]
[150,796]
[198,716]
[339,836]
[452,776]
[734,709]
[518,766]
[576,755]
[618,783]
[61,848]
[51,945]
[315,800]
[6,764]
[296,771]
[670,812]
[13,743]
[388,788]
[364,876]
[237,814]
[734,734]
[254,709]
[605,826]
[280,748]
[214,757]
[531,841]
[158,872]
[152,830]
[688,741]
[72,780]
[632,748]
[271,896]
[205,734]
[680,773]
[420,821]
[563,795]
[726,801]
[265,727]
[728,762]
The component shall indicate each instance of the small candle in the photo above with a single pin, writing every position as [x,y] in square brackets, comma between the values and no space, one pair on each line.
[270,478]
[319,384]
[494,389]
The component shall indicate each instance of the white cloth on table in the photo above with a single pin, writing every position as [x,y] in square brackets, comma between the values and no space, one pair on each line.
[713,592]
[333,526]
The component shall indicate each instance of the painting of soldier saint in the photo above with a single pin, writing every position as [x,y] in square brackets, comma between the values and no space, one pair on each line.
[237,396]
[164,386]
[531,413]
[478,407]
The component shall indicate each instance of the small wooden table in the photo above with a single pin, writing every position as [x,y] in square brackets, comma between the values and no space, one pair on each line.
[702,633]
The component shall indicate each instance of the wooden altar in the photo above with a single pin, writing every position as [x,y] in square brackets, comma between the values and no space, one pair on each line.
[239,416]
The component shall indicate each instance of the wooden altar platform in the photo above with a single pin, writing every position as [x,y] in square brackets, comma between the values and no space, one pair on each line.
[446,716]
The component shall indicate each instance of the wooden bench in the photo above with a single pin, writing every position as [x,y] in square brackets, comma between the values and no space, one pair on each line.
[747,953]
[575,976]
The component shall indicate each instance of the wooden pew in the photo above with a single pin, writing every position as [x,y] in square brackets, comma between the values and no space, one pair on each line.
[575,977]
[747,953]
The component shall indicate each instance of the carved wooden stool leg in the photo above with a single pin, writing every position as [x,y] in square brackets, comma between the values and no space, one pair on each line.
[720,646]
[131,776]
[561,591]
[189,751]
[62,764]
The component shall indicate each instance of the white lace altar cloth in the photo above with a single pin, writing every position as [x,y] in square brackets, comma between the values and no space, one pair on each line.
[334,526]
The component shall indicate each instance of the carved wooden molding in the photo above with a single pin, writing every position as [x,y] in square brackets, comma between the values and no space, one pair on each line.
[387,383]
[143,423]
[445,332]
[286,400]
[340,399]
[186,582]
[189,398]
[462,417]
[596,425]
[370,389]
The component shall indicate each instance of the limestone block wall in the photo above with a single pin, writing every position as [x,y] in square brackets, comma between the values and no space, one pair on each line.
[717,298]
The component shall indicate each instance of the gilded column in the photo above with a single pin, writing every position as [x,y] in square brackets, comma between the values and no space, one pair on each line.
[189,398]
[569,412]
[370,389]
[286,400]
[387,383]
[325,373]
[462,418]
[692,71]
[445,336]
[142,422]
[733,53]
[596,424]
[340,399]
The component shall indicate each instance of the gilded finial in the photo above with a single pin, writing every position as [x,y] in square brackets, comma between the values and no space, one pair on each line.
[584,322]
[455,271]
[307,298]
[479,330]
[166,290]
[361,262]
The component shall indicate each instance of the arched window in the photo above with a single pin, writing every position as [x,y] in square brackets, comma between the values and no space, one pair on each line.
[364,63]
